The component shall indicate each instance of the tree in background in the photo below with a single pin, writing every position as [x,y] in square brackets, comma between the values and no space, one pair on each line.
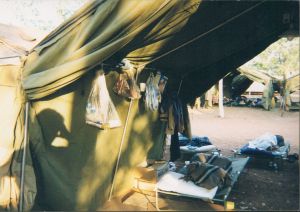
[41,15]
[279,59]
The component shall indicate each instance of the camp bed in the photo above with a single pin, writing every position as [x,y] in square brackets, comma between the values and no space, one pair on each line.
[275,157]
[172,184]
[194,149]
[188,151]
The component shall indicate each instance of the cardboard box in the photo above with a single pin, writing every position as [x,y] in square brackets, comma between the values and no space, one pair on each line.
[147,177]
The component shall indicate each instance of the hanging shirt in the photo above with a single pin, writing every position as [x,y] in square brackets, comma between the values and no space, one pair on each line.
[175,115]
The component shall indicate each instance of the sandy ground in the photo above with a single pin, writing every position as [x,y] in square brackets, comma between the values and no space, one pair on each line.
[242,124]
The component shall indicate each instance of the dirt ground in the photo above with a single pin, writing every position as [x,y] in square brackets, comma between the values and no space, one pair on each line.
[260,187]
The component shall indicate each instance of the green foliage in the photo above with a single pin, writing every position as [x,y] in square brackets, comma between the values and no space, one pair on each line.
[280,58]
[42,15]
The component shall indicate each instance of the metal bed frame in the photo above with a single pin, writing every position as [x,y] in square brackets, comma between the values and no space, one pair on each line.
[238,165]
[276,160]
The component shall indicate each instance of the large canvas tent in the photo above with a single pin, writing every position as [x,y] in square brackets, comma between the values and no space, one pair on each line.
[272,83]
[262,77]
[238,81]
[193,43]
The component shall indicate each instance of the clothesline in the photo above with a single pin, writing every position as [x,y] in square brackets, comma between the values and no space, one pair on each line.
[115,66]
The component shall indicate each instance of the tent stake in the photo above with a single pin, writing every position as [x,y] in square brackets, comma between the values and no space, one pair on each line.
[120,150]
[24,158]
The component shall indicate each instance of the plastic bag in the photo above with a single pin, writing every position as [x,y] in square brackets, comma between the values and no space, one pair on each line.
[121,86]
[126,85]
[100,110]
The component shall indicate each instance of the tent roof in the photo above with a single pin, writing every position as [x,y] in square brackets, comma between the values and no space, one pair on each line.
[228,40]
[256,87]
[256,75]
[184,39]
[15,42]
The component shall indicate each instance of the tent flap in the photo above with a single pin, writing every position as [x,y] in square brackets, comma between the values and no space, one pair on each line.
[108,28]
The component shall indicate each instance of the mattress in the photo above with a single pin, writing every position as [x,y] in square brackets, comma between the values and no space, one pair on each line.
[172,182]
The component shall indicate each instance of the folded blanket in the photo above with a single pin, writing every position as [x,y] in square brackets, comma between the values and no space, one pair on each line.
[209,171]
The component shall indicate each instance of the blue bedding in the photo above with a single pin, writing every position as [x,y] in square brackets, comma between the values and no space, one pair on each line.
[250,151]
[282,151]
[195,141]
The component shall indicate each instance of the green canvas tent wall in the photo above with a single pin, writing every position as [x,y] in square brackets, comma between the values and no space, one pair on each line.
[15,43]
[186,40]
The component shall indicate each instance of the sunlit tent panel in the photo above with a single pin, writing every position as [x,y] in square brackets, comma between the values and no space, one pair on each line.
[102,29]
[15,43]
[293,83]
[186,40]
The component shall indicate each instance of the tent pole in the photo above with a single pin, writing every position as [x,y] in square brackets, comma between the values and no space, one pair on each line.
[120,150]
[24,157]
[221,107]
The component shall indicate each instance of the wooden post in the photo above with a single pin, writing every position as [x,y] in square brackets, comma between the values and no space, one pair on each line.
[221,107]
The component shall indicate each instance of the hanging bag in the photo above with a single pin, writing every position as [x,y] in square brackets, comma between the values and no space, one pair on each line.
[126,85]
[121,86]
[100,110]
